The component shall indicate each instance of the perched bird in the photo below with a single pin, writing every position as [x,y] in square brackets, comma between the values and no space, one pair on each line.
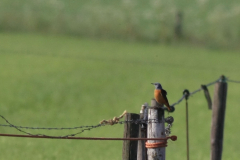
[160,95]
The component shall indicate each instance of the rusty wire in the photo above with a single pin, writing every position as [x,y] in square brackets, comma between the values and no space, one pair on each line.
[87,138]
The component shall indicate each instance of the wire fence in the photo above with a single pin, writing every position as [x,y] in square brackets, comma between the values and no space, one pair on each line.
[83,128]
[207,85]
[194,92]
[90,127]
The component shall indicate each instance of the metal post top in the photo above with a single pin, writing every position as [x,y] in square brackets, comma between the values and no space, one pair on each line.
[223,79]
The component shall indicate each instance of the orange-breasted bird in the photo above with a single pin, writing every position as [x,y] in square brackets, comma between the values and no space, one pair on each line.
[160,95]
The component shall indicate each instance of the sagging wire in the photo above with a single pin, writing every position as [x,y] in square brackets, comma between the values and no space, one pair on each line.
[83,128]
[192,93]
[20,130]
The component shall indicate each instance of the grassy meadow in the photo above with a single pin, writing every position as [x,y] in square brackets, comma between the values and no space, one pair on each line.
[61,81]
[212,23]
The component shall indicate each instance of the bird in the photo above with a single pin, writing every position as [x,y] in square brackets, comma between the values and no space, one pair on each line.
[160,95]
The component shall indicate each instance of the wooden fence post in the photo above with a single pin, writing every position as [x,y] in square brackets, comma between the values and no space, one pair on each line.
[218,115]
[129,151]
[156,130]
[142,152]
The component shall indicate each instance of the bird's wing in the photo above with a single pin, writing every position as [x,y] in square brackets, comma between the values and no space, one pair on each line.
[164,95]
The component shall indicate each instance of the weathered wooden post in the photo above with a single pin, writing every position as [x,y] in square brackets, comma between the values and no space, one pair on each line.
[142,152]
[129,151]
[156,129]
[218,115]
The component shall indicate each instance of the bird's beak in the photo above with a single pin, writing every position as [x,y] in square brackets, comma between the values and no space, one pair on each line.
[153,83]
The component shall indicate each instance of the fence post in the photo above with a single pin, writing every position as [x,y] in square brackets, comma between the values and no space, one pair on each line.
[156,130]
[129,151]
[142,152]
[218,115]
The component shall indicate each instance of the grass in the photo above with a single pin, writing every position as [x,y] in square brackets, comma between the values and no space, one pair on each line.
[213,23]
[60,81]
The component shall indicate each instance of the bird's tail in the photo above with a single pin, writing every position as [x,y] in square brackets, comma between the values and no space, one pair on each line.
[169,108]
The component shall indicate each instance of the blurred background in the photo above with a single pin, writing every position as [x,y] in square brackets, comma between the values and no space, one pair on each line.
[74,63]
[214,23]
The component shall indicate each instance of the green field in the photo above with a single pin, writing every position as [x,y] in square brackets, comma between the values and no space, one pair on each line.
[60,81]
[205,22]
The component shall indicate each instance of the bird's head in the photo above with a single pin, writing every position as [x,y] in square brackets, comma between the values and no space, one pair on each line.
[157,85]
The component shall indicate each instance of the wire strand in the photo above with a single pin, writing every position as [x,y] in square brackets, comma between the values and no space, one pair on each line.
[233,81]
[173,138]
[83,128]
[192,93]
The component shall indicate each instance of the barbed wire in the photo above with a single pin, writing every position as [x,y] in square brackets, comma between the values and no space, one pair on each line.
[83,128]
[10,124]
[45,128]
[209,84]
[192,93]
[79,127]
[19,128]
